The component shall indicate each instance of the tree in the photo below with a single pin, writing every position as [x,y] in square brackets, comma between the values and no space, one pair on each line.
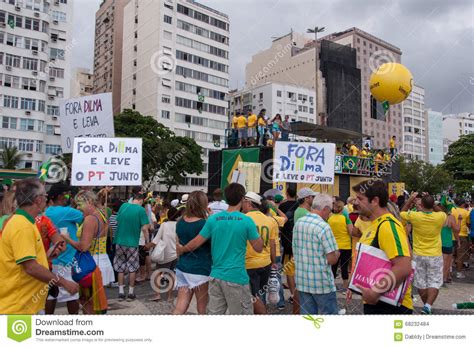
[424,177]
[166,157]
[11,158]
[459,161]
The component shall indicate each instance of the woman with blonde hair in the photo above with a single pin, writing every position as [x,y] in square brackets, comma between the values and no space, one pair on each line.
[7,206]
[194,268]
[93,238]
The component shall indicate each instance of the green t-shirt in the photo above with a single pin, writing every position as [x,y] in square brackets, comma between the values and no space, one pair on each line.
[300,212]
[229,233]
[130,219]
[446,237]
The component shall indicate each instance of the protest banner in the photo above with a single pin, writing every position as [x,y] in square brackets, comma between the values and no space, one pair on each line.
[304,162]
[88,116]
[107,161]
[252,173]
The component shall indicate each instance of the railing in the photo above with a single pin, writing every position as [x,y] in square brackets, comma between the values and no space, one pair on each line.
[346,164]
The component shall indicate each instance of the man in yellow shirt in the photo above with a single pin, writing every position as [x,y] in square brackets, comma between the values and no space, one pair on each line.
[427,255]
[461,214]
[252,128]
[388,235]
[393,149]
[23,260]
[259,265]
[242,128]
[353,150]
[341,227]
[235,131]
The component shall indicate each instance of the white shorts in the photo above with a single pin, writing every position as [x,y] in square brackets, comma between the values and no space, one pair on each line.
[105,266]
[64,272]
[428,271]
[252,132]
[187,280]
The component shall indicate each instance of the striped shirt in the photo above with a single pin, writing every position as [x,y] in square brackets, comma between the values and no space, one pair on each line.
[312,241]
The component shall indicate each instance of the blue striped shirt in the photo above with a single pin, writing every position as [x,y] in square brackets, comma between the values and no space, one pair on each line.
[312,241]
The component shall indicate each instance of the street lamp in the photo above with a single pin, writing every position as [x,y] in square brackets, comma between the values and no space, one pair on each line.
[315,31]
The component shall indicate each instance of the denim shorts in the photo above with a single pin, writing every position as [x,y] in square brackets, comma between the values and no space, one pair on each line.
[318,303]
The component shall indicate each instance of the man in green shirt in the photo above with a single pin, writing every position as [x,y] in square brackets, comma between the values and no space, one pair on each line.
[305,199]
[229,232]
[131,220]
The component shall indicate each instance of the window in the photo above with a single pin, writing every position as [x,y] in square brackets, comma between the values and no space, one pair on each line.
[279,93]
[52,110]
[167,19]
[165,114]
[52,149]
[49,129]
[27,124]
[56,72]
[12,60]
[11,81]
[59,16]
[39,146]
[6,142]
[166,99]
[28,104]
[56,53]
[10,101]
[9,122]
[26,145]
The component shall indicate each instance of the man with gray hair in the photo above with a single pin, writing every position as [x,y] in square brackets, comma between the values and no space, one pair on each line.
[23,258]
[315,250]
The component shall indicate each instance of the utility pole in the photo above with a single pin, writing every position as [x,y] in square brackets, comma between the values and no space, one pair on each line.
[315,31]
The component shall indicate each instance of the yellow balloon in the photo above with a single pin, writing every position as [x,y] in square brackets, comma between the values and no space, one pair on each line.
[391,82]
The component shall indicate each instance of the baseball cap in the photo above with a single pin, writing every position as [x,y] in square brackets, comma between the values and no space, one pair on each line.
[278,198]
[184,198]
[305,192]
[254,197]
[174,203]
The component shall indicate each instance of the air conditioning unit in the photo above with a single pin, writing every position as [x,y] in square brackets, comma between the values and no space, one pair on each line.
[52,79]
[2,25]
[55,22]
[37,14]
[296,111]
[29,155]
[8,67]
[28,113]
[17,8]
[56,2]
[34,73]
[51,97]
[53,59]
[34,52]
[55,117]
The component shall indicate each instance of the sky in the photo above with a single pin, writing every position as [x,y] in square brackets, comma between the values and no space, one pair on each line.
[436,36]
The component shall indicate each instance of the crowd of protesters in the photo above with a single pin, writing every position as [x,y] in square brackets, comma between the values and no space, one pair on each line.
[234,251]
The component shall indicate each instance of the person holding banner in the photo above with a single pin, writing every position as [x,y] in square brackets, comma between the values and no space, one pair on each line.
[388,235]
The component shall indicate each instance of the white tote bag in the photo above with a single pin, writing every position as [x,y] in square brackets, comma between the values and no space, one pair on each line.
[158,253]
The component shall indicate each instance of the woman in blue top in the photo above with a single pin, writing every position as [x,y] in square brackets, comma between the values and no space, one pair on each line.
[277,125]
[193,269]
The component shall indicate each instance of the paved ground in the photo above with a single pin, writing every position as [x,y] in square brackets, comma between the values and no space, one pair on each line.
[458,291]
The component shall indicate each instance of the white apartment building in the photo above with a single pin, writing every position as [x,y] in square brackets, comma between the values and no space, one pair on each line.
[82,83]
[285,99]
[414,125]
[35,56]
[175,67]
[435,136]
[456,125]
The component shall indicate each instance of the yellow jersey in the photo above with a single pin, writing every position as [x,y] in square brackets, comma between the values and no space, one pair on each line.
[426,231]
[268,230]
[456,212]
[393,241]
[354,151]
[392,143]
[241,122]
[234,122]
[261,122]
[252,121]
[21,241]
[338,223]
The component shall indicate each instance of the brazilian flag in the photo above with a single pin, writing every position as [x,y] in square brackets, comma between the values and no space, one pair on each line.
[231,159]
[350,164]
[43,170]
